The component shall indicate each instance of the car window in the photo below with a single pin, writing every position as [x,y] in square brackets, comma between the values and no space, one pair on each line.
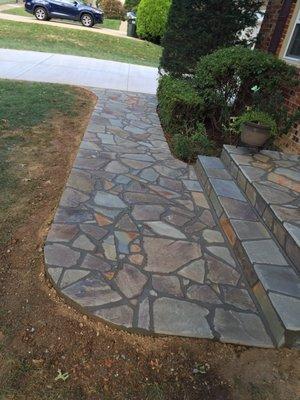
[68,1]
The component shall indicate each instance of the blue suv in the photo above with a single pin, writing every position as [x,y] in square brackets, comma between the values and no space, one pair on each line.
[76,10]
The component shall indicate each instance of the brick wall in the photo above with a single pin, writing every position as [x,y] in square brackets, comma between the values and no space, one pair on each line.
[291,142]
[268,25]
[286,26]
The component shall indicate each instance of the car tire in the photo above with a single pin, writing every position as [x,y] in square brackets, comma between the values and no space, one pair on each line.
[40,14]
[87,20]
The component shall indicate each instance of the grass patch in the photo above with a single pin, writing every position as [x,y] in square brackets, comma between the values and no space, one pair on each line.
[39,37]
[154,392]
[24,105]
[16,11]
[108,23]
[111,24]
[23,108]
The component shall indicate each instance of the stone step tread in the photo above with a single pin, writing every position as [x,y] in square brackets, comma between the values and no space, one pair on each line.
[261,257]
[271,182]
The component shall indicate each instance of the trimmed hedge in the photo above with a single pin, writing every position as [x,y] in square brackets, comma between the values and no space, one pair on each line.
[180,107]
[152,17]
[226,84]
[199,27]
[233,79]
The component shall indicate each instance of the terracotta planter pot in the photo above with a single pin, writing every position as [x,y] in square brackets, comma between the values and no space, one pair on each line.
[255,135]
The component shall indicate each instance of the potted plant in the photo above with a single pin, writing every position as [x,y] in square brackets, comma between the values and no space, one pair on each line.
[255,128]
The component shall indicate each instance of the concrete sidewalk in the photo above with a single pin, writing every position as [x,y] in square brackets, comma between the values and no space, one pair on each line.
[81,71]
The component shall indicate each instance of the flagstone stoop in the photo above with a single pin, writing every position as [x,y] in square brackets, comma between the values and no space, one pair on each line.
[273,278]
[271,182]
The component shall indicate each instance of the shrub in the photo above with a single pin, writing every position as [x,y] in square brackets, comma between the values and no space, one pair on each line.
[131,5]
[179,106]
[113,9]
[257,117]
[188,147]
[199,27]
[227,83]
[181,111]
[232,79]
[151,19]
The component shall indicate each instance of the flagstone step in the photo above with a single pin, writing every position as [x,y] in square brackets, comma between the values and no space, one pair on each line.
[271,182]
[270,274]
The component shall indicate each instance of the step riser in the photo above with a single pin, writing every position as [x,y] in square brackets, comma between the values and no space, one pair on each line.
[230,220]
[283,237]
[224,222]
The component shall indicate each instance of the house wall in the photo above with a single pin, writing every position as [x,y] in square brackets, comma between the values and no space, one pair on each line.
[289,143]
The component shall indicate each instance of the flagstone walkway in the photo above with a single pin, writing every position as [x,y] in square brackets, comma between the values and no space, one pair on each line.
[134,241]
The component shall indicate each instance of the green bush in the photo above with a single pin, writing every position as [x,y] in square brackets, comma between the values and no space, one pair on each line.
[227,83]
[131,5]
[199,27]
[188,147]
[181,112]
[113,9]
[231,80]
[151,19]
[179,106]
[257,117]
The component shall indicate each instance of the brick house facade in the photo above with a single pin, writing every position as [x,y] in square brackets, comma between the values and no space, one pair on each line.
[279,29]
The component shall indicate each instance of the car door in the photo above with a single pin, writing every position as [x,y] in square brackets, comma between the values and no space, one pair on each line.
[69,9]
[56,8]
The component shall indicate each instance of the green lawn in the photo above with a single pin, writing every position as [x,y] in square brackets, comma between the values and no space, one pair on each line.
[20,139]
[16,11]
[111,24]
[16,98]
[108,23]
[39,37]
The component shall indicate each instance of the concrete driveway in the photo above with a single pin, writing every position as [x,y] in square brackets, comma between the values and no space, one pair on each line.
[74,70]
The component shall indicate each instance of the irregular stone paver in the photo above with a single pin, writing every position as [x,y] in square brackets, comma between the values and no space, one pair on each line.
[194,271]
[240,326]
[182,317]
[271,180]
[134,242]
[121,315]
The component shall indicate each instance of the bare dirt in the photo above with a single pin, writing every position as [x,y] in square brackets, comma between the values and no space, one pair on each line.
[40,334]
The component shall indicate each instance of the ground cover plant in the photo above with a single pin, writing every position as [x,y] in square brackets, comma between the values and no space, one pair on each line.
[39,37]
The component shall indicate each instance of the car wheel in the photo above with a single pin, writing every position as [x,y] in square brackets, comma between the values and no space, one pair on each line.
[87,20]
[41,14]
